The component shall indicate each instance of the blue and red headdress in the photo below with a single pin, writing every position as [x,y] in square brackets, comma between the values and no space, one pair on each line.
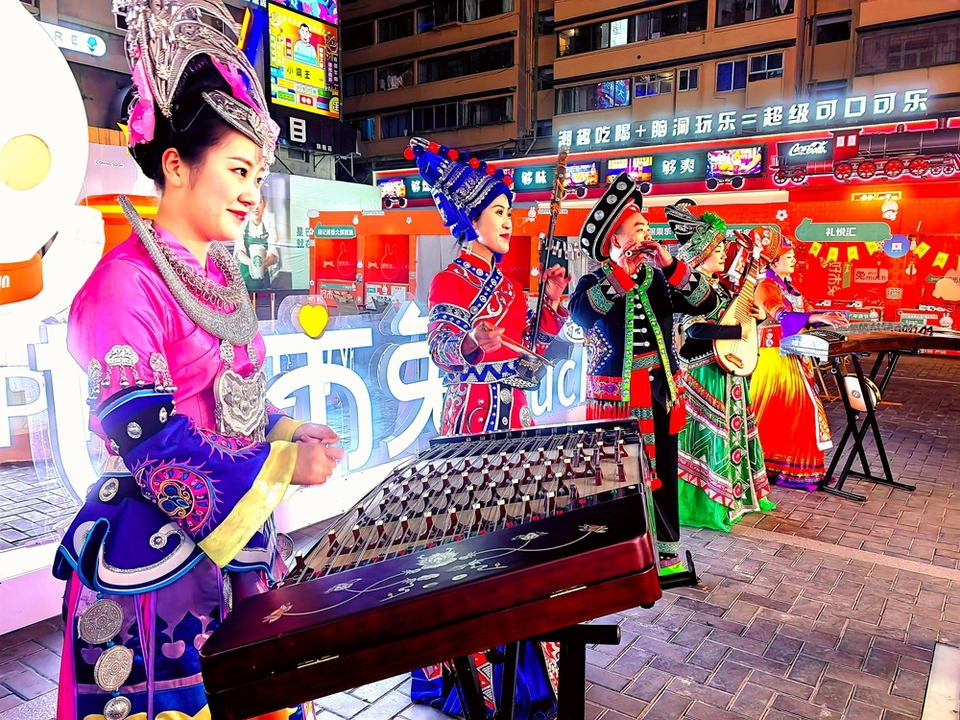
[462,186]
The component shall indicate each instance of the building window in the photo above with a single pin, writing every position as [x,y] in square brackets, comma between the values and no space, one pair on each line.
[544,128]
[657,84]
[364,127]
[445,12]
[673,20]
[545,23]
[468,62]
[832,29]
[545,77]
[688,79]
[392,126]
[489,112]
[358,83]
[733,12]
[396,76]
[394,28]
[436,117]
[908,48]
[594,96]
[764,67]
[732,76]
[354,37]
[120,20]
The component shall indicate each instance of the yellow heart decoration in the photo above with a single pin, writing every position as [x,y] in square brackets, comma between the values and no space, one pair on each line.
[313,319]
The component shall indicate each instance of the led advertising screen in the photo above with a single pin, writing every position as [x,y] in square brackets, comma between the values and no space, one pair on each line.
[392,188]
[586,174]
[323,10]
[639,168]
[735,161]
[304,62]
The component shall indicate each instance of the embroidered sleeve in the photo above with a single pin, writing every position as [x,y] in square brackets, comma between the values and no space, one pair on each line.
[448,325]
[280,426]
[219,490]
[695,297]
[597,293]
[678,274]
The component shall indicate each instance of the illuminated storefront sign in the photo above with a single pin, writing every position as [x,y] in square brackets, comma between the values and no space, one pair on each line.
[537,177]
[335,231]
[806,150]
[368,378]
[886,196]
[677,167]
[861,109]
[76,40]
[808,231]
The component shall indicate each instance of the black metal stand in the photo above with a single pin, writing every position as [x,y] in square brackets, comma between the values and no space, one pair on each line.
[571,703]
[858,430]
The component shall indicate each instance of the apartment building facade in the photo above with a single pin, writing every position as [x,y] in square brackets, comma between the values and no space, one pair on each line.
[508,76]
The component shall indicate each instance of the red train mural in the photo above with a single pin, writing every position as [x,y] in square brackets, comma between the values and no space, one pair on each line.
[851,155]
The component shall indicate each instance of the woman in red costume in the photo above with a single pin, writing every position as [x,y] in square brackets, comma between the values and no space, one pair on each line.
[476,312]
[790,418]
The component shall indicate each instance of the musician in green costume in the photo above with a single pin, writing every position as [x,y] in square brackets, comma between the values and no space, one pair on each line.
[720,459]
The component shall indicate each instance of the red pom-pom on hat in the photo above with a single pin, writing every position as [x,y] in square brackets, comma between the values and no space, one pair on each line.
[408,153]
[491,169]
[452,154]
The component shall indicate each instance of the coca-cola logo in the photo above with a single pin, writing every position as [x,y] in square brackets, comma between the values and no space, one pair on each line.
[817,147]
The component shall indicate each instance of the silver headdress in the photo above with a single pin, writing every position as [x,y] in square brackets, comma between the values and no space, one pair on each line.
[163,36]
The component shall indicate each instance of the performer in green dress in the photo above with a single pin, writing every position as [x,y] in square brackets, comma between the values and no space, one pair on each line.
[720,461]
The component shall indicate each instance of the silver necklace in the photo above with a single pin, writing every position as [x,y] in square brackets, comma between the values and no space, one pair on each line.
[240,403]
[238,325]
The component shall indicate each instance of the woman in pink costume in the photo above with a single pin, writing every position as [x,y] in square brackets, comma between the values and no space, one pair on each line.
[180,524]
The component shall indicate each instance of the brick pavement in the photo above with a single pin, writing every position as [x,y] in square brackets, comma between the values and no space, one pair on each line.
[825,608]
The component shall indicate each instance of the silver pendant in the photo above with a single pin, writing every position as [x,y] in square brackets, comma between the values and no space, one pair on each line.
[284,545]
[100,622]
[506,396]
[109,490]
[241,404]
[113,667]
[117,708]
[526,417]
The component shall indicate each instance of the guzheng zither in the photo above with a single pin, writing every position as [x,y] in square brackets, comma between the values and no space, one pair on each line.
[476,542]
[825,343]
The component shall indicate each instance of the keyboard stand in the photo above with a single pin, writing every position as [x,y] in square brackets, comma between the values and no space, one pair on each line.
[857,430]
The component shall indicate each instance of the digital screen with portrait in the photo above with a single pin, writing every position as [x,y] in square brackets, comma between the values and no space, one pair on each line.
[304,62]
[323,10]
[735,161]
[585,174]
[639,168]
[392,188]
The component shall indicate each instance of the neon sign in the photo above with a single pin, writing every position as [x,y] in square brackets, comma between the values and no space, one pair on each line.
[798,116]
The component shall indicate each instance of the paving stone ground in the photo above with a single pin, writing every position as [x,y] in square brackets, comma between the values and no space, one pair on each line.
[825,608]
